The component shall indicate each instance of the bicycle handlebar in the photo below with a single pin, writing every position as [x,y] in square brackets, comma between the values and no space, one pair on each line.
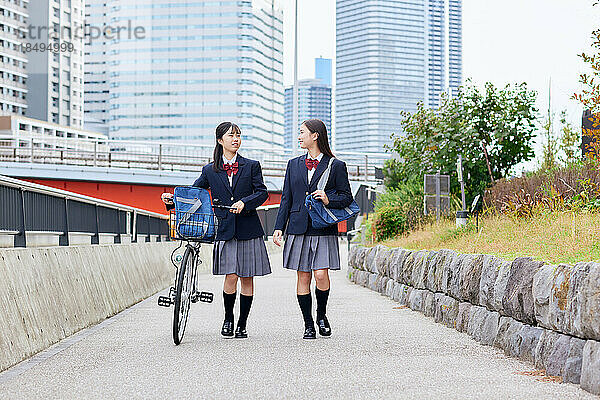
[216,204]
[224,207]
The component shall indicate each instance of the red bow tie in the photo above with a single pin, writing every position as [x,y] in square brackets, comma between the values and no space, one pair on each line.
[310,163]
[231,168]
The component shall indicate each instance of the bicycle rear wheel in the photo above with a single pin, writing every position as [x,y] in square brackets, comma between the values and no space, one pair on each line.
[183,294]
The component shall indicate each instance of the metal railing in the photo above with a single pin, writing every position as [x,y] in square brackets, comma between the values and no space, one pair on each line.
[32,208]
[161,156]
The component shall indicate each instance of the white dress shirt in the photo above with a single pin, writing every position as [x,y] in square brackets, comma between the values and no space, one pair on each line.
[311,172]
[226,161]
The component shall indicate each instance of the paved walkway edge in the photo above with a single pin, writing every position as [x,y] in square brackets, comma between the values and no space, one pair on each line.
[498,303]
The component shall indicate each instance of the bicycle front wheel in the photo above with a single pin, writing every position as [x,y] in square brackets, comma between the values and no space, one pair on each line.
[183,294]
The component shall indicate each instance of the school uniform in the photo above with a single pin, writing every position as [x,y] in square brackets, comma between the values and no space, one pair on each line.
[307,248]
[239,246]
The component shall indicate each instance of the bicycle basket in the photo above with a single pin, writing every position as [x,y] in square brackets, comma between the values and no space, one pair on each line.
[194,216]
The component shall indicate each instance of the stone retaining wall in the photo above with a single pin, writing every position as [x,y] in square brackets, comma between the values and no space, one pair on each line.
[546,314]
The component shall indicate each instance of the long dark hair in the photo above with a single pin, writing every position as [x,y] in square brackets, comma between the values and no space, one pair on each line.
[317,126]
[221,130]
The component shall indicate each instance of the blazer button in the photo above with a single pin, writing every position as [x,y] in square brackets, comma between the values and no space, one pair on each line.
[232,199]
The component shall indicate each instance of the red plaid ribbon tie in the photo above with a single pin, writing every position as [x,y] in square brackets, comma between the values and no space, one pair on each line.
[231,168]
[310,163]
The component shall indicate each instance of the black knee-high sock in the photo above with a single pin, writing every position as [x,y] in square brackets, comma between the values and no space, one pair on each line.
[322,296]
[229,302]
[305,302]
[245,304]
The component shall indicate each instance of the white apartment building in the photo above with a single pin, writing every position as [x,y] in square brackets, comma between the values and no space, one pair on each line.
[13,60]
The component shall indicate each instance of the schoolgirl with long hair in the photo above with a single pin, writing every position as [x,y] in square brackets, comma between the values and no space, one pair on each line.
[307,250]
[239,252]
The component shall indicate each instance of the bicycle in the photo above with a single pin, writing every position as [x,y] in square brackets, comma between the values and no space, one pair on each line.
[195,229]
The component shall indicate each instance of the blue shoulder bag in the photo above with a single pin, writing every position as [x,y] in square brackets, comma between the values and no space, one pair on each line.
[323,216]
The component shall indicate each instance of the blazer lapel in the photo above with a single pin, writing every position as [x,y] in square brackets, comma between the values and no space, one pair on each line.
[241,162]
[303,170]
[225,179]
[321,167]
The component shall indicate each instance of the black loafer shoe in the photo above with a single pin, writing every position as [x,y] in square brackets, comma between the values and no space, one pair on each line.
[240,333]
[324,328]
[227,329]
[310,333]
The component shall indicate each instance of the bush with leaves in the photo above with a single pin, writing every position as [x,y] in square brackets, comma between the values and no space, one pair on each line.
[404,199]
[590,94]
[493,130]
[389,222]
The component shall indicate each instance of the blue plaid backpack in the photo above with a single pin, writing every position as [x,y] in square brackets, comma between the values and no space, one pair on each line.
[194,215]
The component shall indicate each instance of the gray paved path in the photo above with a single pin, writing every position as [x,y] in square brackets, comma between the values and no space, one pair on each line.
[376,351]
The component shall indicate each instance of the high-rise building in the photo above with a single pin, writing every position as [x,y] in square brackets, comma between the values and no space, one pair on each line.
[314,102]
[192,65]
[55,63]
[323,70]
[96,83]
[390,55]
[13,59]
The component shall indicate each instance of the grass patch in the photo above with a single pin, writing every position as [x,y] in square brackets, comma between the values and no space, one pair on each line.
[559,237]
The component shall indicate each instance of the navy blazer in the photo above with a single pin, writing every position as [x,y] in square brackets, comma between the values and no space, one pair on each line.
[248,186]
[296,187]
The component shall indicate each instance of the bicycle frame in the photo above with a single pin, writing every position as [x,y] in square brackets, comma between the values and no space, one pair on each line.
[177,296]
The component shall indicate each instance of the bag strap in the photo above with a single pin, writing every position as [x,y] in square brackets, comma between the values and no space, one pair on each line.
[325,177]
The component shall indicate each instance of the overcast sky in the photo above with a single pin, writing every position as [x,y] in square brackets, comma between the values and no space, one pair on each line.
[504,41]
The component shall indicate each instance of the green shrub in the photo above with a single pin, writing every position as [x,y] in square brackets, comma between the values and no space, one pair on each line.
[407,196]
[390,222]
[397,210]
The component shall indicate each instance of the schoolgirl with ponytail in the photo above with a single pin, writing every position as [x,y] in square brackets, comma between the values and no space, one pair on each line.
[239,252]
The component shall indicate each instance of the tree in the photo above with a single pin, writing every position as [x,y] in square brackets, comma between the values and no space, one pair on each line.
[492,129]
[590,94]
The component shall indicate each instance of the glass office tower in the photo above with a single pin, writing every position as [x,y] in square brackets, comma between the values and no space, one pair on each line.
[191,65]
[390,55]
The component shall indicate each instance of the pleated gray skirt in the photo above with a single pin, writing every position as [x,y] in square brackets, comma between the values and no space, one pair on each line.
[307,253]
[245,258]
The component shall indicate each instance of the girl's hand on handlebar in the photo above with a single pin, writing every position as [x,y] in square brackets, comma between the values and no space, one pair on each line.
[237,207]
[167,198]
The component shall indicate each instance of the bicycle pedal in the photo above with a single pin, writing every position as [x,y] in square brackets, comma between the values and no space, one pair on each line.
[164,301]
[206,297]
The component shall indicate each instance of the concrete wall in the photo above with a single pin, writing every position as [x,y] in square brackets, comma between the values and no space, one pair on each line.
[47,294]
[545,314]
